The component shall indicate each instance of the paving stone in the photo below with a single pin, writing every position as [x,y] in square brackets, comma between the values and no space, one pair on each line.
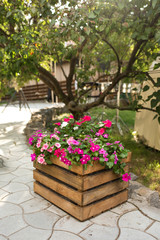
[18,197]
[24,179]
[135,220]
[15,187]
[11,224]
[30,185]
[148,210]
[7,177]
[155,230]
[28,165]
[123,208]
[43,219]
[22,172]
[30,233]
[97,232]
[8,209]
[107,219]
[133,234]
[62,235]
[57,210]
[35,205]
[3,194]
[67,223]
[3,184]
[6,170]
[3,238]
[12,164]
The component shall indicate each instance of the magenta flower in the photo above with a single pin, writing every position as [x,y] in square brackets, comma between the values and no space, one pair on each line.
[126,177]
[115,159]
[86,118]
[95,158]
[83,160]
[97,134]
[86,157]
[66,119]
[107,123]
[108,144]
[116,142]
[33,157]
[58,123]
[105,155]
[71,116]
[94,148]
[106,159]
[79,151]
[31,140]
[121,146]
[70,150]
[101,131]
[75,142]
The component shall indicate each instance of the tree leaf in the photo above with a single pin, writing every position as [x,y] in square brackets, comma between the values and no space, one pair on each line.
[153,103]
[154,2]
[146,88]
[8,14]
[155,116]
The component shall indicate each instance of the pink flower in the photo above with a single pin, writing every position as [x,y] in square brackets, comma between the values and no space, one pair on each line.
[121,146]
[58,145]
[66,119]
[83,160]
[105,155]
[115,159]
[126,177]
[108,144]
[71,116]
[38,144]
[59,123]
[54,136]
[78,123]
[102,151]
[116,142]
[65,160]
[50,149]
[86,157]
[74,142]
[33,157]
[70,140]
[107,123]
[45,146]
[105,159]
[105,135]
[101,131]
[41,159]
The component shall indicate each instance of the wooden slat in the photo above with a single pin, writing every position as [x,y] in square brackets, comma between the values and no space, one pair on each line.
[59,201]
[81,213]
[104,204]
[58,187]
[103,191]
[61,174]
[81,170]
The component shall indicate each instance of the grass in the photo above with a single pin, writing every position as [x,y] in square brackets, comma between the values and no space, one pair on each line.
[145,160]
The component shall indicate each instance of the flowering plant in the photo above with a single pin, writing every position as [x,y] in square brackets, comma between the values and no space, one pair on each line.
[80,142]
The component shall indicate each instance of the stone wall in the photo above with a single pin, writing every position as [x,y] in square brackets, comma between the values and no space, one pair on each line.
[40,120]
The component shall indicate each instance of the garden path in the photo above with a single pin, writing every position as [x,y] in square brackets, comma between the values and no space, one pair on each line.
[25,215]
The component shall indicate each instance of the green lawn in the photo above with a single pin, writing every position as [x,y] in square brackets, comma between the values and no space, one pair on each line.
[145,161]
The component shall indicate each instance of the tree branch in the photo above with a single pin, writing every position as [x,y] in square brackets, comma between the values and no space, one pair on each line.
[114,50]
[52,83]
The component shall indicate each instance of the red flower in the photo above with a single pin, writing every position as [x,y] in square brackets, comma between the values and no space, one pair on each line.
[107,123]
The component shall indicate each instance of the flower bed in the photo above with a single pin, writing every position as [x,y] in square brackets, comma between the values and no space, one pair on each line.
[80,143]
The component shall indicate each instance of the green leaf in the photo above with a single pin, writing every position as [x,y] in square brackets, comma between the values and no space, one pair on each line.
[155,116]
[120,5]
[91,15]
[158,82]
[154,2]
[153,103]
[8,14]
[146,88]
[52,22]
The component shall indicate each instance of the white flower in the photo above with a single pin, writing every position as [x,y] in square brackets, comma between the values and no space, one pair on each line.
[75,128]
[64,124]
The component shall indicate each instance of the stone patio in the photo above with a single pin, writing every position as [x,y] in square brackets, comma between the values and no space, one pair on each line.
[25,215]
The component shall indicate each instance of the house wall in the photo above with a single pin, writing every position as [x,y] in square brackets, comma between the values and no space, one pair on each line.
[147,128]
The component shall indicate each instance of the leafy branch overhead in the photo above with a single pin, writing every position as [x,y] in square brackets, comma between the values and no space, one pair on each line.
[123,36]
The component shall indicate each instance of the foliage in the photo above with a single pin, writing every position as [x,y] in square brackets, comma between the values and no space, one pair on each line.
[34,33]
[80,142]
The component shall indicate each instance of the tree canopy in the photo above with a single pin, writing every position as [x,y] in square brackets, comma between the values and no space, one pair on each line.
[123,32]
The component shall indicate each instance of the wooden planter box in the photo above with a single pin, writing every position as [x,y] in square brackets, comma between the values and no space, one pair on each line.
[82,193]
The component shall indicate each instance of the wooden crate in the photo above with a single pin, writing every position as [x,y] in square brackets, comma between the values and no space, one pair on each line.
[82,193]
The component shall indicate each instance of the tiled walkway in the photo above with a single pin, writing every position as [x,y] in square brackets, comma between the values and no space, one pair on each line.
[24,215]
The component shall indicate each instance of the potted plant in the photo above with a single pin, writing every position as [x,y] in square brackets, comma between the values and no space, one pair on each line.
[79,167]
